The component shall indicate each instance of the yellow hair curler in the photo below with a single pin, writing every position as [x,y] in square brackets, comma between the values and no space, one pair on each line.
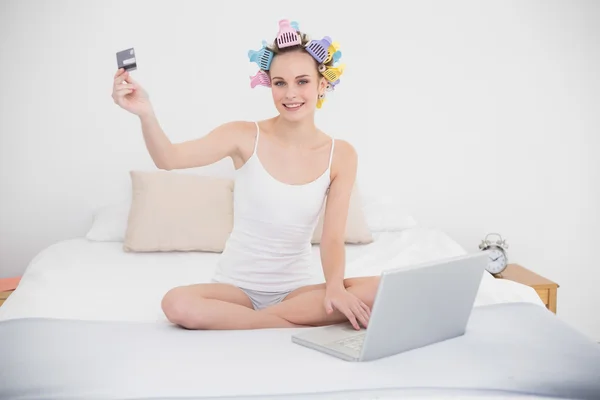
[320,101]
[332,74]
[331,51]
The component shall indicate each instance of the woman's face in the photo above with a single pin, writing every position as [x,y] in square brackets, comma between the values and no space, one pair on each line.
[295,84]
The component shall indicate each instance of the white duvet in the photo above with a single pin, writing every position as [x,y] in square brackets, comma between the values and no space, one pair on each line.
[86,280]
[82,279]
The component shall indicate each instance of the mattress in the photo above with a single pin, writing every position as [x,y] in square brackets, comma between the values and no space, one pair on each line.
[81,281]
[86,280]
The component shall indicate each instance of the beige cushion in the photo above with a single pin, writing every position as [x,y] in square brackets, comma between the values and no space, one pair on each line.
[357,229]
[178,212]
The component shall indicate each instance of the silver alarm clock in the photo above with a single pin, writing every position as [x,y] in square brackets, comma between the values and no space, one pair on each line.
[498,261]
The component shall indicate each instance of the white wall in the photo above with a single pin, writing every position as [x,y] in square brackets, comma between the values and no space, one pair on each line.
[479,116]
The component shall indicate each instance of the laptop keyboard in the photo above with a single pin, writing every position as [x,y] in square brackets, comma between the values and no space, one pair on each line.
[353,342]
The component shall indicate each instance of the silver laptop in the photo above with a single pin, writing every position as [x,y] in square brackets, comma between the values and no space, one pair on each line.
[414,307]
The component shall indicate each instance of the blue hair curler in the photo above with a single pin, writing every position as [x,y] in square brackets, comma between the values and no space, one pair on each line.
[262,57]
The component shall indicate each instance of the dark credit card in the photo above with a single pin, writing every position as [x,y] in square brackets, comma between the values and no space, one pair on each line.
[126,59]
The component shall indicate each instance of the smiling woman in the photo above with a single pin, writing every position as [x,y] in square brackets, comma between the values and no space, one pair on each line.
[318,61]
[293,65]
[287,170]
[293,77]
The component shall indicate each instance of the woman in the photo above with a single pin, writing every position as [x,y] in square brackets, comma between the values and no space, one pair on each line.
[286,171]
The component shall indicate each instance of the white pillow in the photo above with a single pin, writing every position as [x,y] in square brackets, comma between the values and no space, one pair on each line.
[110,223]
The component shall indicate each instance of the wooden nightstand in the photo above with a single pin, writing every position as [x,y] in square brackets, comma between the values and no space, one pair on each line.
[545,288]
[4,296]
[7,286]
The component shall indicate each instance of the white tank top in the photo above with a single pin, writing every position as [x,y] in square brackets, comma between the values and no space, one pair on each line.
[269,248]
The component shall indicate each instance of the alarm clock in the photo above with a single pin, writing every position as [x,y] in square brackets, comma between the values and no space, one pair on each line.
[496,249]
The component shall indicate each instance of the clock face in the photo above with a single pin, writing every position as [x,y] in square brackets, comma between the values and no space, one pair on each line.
[497,261]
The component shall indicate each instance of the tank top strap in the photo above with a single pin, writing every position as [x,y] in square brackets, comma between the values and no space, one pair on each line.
[257,135]
[331,153]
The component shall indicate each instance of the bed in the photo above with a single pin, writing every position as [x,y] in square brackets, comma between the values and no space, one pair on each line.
[86,323]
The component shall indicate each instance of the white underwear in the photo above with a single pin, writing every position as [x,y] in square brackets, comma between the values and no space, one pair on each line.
[262,300]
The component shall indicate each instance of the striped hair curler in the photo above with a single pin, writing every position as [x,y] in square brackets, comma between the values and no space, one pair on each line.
[260,79]
[287,36]
[262,57]
[319,49]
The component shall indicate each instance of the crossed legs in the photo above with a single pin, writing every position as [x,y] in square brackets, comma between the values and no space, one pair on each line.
[216,306]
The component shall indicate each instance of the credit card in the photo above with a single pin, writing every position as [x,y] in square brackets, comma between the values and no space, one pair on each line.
[126,59]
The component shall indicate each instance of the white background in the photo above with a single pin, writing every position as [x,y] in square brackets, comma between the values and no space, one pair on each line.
[477,116]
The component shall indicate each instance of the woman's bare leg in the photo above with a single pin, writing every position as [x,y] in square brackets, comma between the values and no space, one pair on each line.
[306,305]
[216,306]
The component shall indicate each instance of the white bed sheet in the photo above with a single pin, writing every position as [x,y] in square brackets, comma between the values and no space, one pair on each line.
[81,279]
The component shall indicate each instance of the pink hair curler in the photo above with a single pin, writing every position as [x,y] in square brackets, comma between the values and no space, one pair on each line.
[319,49]
[262,57]
[287,35]
[260,78]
